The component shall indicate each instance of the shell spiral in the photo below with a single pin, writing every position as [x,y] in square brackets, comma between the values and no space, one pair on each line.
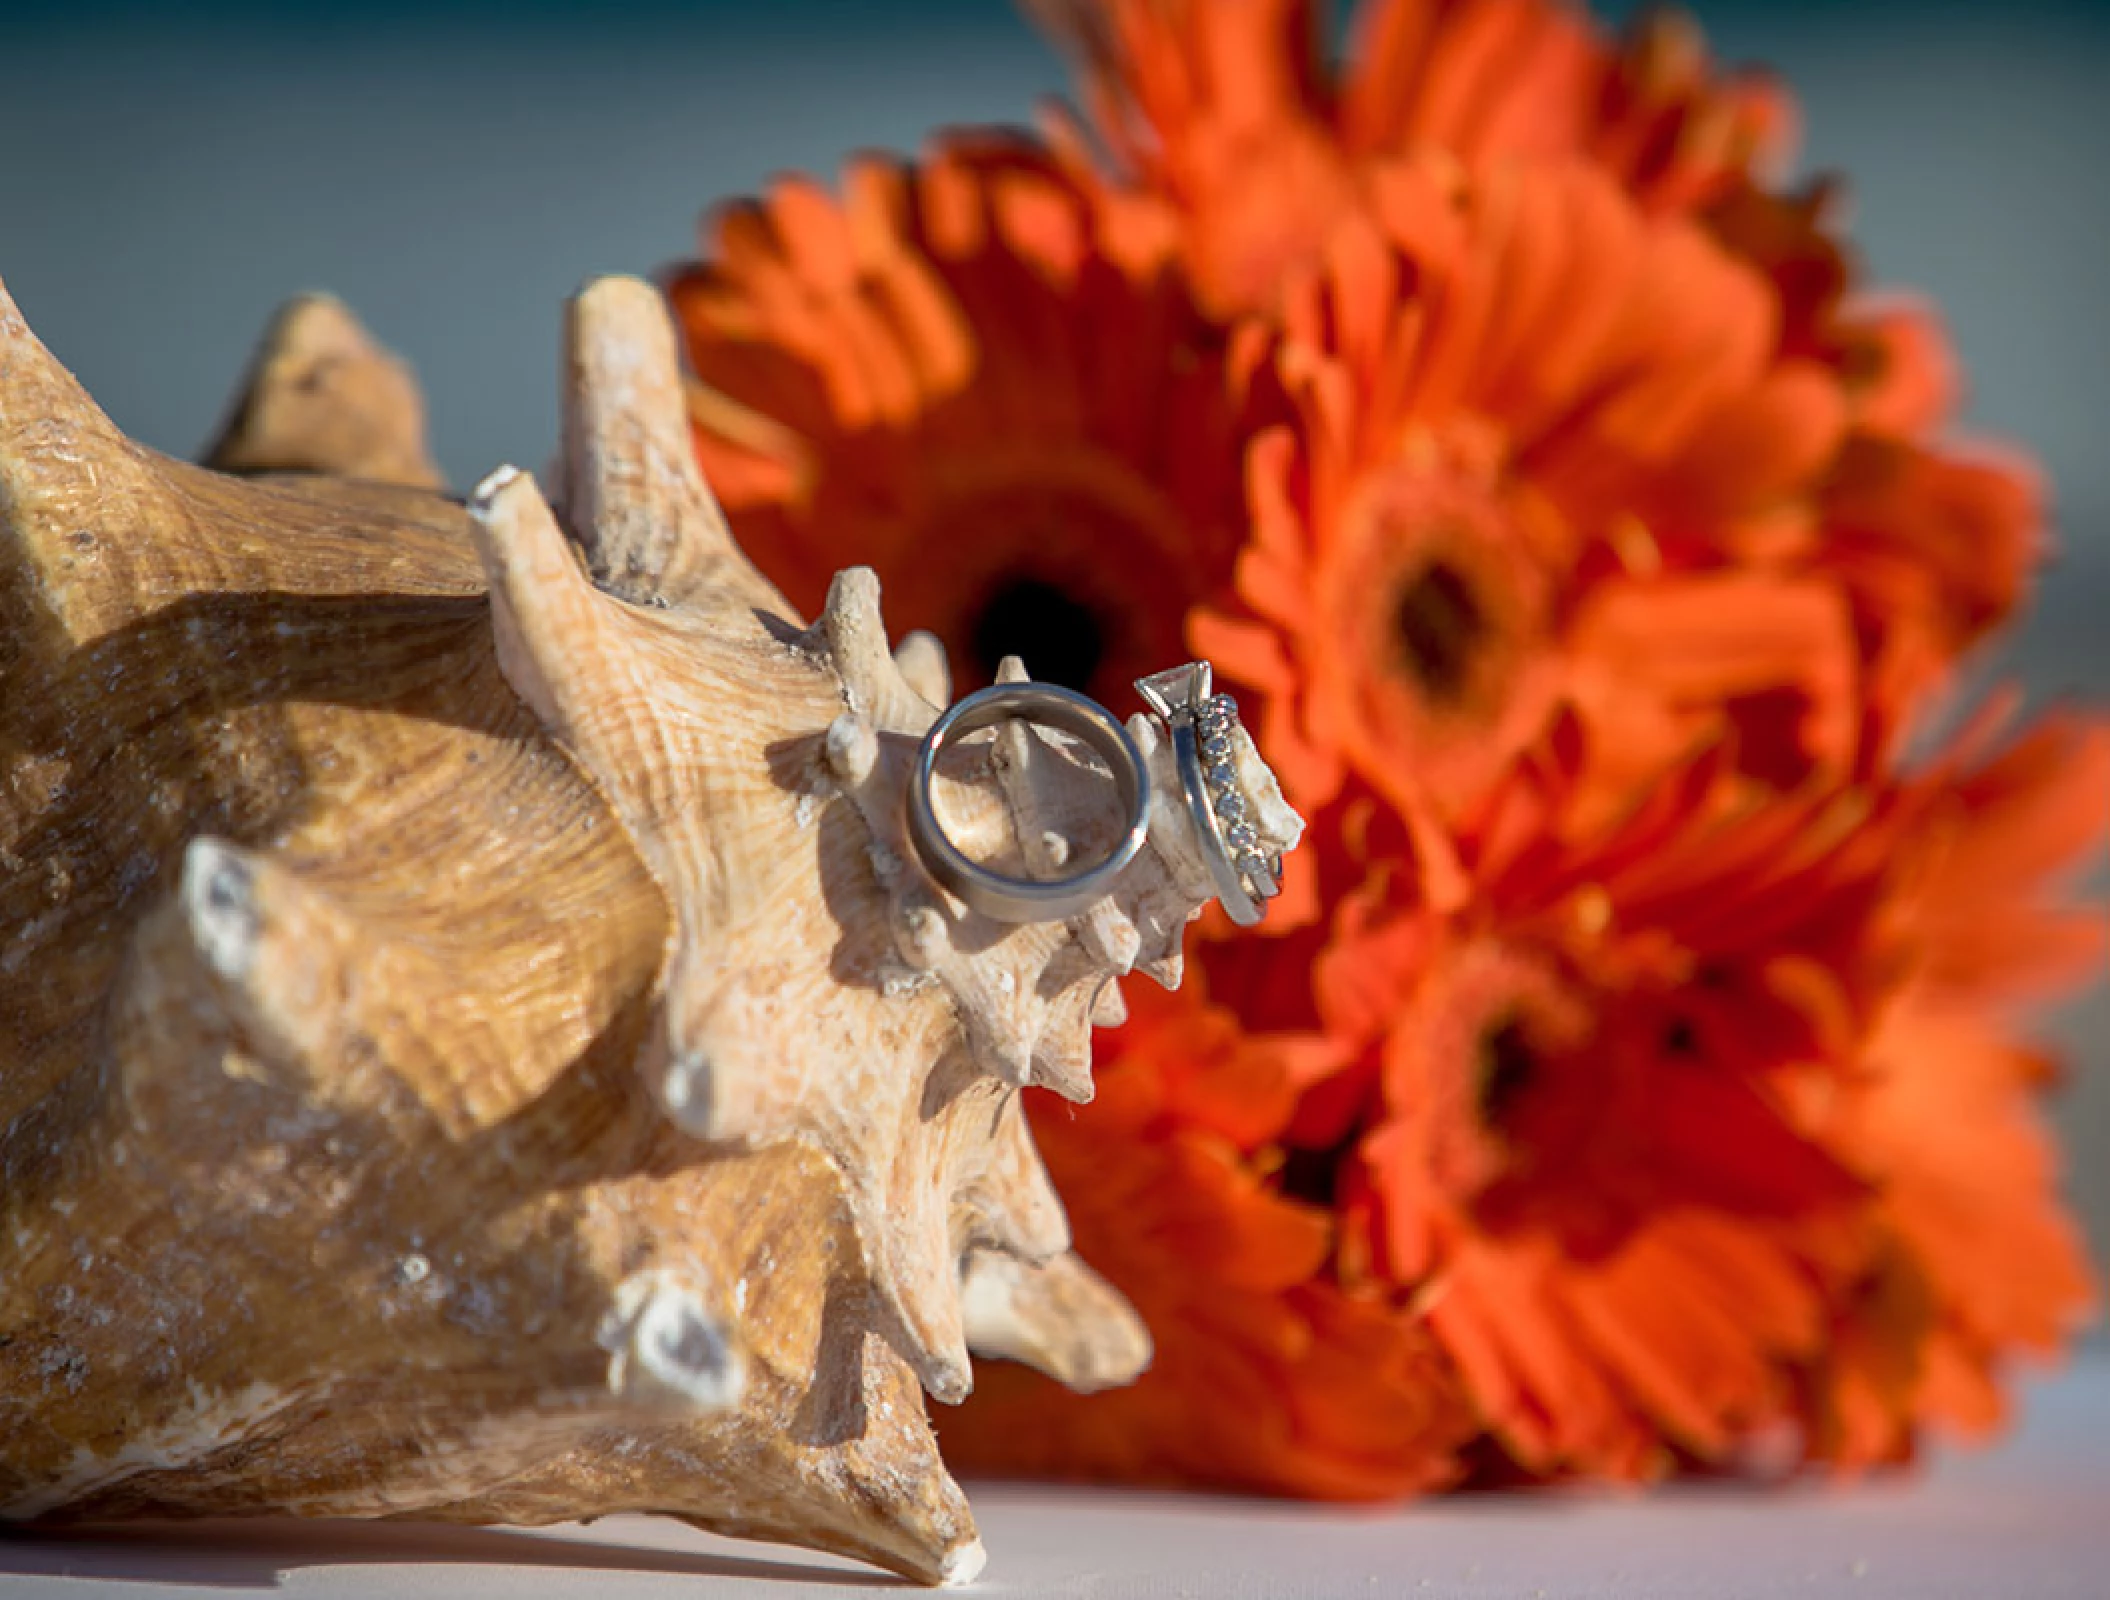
[474,1043]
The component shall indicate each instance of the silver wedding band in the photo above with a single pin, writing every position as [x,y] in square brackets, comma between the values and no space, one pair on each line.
[997,894]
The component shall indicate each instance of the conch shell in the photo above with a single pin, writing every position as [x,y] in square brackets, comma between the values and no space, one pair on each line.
[476,1044]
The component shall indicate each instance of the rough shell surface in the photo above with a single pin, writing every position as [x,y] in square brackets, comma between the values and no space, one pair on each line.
[473,1043]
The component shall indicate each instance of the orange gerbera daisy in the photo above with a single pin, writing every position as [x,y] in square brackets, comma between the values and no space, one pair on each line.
[1234,111]
[1233,114]
[1976,1261]
[1574,1136]
[1707,1121]
[1267,1374]
[1534,433]
[973,377]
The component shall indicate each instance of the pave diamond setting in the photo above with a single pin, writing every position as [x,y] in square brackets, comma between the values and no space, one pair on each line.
[1202,725]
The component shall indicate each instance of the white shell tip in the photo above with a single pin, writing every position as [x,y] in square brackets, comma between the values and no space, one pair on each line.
[1111,937]
[963,1565]
[851,748]
[686,1091]
[920,937]
[853,605]
[486,493]
[1165,971]
[1008,1061]
[219,901]
[949,1379]
[665,1346]
[1066,1076]
[1109,1008]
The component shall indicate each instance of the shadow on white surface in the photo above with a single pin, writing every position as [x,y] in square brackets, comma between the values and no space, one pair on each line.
[2026,1520]
[231,1556]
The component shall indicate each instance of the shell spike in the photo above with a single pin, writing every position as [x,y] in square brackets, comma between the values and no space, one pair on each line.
[269,945]
[685,1083]
[922,936]
[1015,1208]
[543,611]
[668,1348]
[1062,1059]
[650,527]
[64,466]
[902,1512]
[851,749]
[921,658]
[922,1299]
[999,1047]
[1110,937]
[705,1078]
[853,635]
[1059,1317]
[1165,971]
[322,396]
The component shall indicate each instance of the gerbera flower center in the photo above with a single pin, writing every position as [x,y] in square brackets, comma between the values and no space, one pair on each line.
[1313,1174]
[1059,636]
[1442,626]
[1066,559]
[1429,641]
[1506,1067]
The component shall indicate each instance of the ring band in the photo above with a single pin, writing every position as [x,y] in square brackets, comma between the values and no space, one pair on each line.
[1200,725]
[1238,900]
[997,894]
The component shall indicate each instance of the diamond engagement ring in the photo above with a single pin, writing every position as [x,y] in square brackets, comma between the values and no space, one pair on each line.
[1202,724]
[997,894]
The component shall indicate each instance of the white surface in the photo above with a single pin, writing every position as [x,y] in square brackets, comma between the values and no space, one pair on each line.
[2029,1520]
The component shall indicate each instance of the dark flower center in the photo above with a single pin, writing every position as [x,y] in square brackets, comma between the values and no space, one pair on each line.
[1059,637]
[1314,1175]
[1772,741]
[1441,625]
[1507,1068]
